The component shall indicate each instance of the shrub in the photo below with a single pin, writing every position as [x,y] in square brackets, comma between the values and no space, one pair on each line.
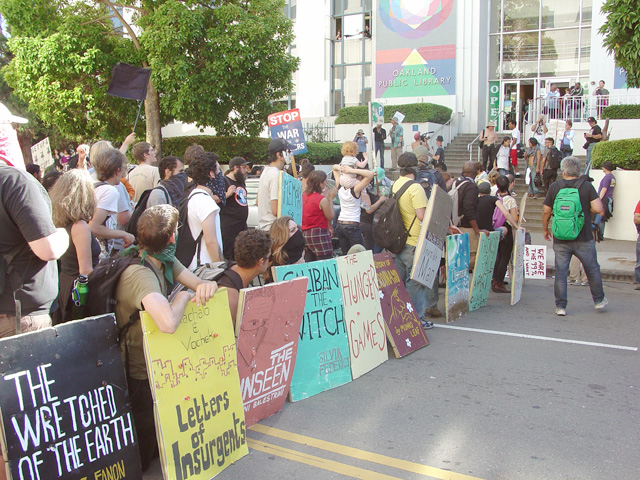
[254,150]
[414,113]
[623,154]
[621,112]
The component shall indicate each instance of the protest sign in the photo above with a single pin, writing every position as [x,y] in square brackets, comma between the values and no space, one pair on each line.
[267,333]
[362,312]
[323,359]
[435,225]
[404,330]
[521,210]
[288,125]
[535,261]
[457,292]
[65,412]
[290,198]
[483,270]
[196,391]
[517,266]
[41,154]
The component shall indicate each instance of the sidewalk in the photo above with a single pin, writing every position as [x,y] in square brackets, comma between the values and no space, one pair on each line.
[617,258]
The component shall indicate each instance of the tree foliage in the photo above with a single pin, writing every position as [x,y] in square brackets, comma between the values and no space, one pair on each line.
[621,38]
[218,63]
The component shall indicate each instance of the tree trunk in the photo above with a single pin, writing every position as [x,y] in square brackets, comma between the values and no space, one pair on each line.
[152,113]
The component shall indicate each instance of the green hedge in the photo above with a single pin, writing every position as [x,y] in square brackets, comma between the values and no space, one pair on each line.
[623,154]
[621,111]
[254,150]
[414,113]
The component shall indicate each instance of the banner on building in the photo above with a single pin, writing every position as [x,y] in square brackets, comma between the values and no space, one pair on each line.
[323,360]
[415,48]
[268,330]
[483,270]
[535,261]
[457,291]
[404,330]
[41,154]
[288,126]
[196,391]
[290,197]
[65,411]
[362,312]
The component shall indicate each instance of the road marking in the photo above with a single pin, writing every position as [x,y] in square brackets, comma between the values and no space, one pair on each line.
[537,337]
[319,462]
[362,454]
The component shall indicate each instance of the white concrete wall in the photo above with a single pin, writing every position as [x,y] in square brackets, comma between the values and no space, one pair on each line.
[625,198]
[622,129]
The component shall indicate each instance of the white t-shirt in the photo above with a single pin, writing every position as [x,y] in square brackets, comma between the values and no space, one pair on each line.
[124,204]
[502,160]
[200,207]
[107,198]
[268,188]
[143,177]
[349,205]
[515,133]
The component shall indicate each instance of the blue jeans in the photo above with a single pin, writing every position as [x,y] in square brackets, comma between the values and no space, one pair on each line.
[348,236]
[422,297]
[586,253]
[503,171]
[379,146]
[533,190]
[637,270]
[587,166]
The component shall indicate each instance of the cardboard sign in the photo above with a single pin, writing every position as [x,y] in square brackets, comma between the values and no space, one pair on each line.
[196,391]
[290,197]
[435,225]
[362,312]
[483,270]
[267,345]
[323,360]
[457,293]
[404,330]
[65,412]
[535,261]
[41,154]
[521,210]
[288,125]
[517,266]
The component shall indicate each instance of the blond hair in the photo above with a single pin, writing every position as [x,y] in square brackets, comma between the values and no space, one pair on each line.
[279,233]
[349,148]
[72,198]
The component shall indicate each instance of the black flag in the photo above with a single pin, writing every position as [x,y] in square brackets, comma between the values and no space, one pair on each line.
[129,81]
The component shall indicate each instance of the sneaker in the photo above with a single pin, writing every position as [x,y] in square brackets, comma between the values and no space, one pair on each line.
[575,284]
[602,304]
[561,312]
[585,284]
[433,312]
[426,324]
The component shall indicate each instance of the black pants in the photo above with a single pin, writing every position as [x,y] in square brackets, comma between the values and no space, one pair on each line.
[142,411]
[488,157]
[549,175]
[505,248]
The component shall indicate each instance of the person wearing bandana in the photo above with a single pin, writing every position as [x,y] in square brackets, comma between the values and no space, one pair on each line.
[268,188]
[287,244]
[144,286]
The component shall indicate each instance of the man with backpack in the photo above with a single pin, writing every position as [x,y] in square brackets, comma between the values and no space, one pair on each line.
[464,193]
[412,204]
[572,201]
[550,163]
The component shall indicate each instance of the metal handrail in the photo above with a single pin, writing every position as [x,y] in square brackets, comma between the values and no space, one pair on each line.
[471,144]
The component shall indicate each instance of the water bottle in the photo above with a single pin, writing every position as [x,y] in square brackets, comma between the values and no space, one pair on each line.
[82,286]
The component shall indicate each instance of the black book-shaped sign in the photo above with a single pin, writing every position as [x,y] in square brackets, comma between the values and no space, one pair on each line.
[64,404]
[129,81]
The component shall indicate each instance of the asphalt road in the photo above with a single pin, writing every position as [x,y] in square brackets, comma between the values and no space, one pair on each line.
[477,405]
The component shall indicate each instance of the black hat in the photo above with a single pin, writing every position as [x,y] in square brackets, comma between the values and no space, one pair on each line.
[439,138]
[237,162]
[407,160]
[608,165]
[278,145]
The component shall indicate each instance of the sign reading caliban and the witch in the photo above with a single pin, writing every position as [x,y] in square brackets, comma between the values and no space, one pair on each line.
[415,48]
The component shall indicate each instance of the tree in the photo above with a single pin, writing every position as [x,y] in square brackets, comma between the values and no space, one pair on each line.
[219,63]
[621,38]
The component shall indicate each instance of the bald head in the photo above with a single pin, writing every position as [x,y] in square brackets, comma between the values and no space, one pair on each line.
[469,169]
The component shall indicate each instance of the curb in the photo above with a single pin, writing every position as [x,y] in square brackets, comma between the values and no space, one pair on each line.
[608,275]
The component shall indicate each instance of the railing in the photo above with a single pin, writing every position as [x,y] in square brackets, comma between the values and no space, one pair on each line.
[470,148]
[319,132]
[575,108]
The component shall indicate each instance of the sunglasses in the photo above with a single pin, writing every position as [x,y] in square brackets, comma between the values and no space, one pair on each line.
[269,259]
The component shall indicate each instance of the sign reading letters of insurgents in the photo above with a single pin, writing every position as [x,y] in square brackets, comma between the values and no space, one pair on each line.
[290,198]
[457,293]
[483,270]
[404,330]
[362,312]
[196,391]
[64,409]
[323,359]
[267,345]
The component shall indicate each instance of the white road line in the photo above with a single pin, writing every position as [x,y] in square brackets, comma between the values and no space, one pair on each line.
[537,337]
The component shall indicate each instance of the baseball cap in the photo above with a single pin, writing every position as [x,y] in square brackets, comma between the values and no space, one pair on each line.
[484,187]
[380,121]
[361,131]
[278,145]
[591,119]
[416,136]
[608,165]
[237,162]
[380,173]
[7,117]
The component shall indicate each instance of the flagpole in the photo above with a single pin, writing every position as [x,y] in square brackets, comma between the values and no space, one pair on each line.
[137,116]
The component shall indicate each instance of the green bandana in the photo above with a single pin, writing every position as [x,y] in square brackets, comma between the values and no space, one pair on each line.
[166,257]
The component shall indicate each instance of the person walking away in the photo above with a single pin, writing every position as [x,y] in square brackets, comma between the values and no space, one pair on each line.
[583,245]
[593,136]
[605,192]
[550,163]
[234,214]
[397,142]
[379,136]
[515,141]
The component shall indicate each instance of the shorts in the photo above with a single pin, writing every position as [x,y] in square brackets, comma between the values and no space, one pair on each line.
[513,153]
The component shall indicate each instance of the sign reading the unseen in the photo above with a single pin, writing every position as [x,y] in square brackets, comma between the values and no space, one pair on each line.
[64,409]
[290,198]
[288,125]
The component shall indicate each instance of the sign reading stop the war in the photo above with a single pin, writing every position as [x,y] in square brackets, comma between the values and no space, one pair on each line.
[288,125]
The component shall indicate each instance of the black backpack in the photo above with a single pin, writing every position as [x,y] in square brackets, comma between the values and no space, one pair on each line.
[187,246]
[141,206]
[554,157]
[429,177]
[388,228]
